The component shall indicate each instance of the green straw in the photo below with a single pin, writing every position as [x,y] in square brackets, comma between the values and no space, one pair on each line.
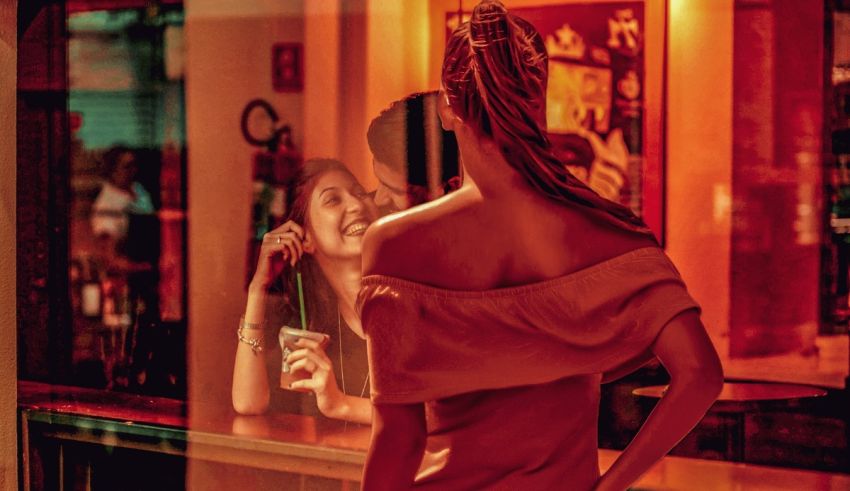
[301,308]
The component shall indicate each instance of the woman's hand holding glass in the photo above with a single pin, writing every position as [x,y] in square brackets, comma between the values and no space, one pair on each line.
[312,358]
[281,245]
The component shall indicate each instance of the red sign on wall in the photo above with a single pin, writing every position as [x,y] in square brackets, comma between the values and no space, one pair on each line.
[288,67]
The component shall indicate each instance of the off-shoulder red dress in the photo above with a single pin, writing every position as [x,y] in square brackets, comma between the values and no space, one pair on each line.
[510,377]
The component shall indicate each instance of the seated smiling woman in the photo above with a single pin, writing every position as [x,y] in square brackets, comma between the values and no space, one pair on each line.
[328,214]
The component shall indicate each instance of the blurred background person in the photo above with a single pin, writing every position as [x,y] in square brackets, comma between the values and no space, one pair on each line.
[119,197]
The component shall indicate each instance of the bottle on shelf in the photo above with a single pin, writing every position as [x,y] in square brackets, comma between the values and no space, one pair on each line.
[116,302]
[90,288]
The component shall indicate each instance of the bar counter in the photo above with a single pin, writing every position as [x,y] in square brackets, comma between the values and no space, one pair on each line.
[302,444]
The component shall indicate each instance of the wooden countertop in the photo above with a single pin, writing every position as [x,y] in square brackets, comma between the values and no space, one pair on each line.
[316,446]
[275,441]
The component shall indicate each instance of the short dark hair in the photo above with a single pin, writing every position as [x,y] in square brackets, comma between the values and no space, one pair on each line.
[400,137]
[111,157]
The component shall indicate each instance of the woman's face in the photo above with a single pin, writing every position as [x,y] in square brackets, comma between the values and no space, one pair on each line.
[338,214]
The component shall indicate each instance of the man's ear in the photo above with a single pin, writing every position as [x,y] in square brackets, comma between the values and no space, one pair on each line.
[308,243]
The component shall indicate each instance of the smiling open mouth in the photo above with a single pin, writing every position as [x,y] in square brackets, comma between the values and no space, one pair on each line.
[355,228]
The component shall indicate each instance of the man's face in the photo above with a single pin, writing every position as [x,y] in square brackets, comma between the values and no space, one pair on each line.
[391,195]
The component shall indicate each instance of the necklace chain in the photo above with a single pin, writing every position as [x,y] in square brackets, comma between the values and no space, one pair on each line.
[341,364]
[339,335]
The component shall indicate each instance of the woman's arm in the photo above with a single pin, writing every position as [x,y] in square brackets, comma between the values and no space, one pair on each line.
[250,391]
[331,401]
[696,378]
[397,447]
[352,408]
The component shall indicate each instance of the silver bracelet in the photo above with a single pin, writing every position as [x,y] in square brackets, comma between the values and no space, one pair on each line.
[256,344]
[251,325]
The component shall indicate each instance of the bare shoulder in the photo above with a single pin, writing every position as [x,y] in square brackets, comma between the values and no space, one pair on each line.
[394,242]
[378,242]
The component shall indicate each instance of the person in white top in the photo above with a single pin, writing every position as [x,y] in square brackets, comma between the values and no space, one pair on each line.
[120,196]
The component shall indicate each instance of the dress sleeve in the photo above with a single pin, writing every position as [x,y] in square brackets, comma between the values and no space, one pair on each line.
[620,313]
[395,350]
[654,308]
[426,346]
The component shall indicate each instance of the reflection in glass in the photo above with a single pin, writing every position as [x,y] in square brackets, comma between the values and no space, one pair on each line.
[127,222]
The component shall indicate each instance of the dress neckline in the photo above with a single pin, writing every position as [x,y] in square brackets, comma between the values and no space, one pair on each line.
[401,283]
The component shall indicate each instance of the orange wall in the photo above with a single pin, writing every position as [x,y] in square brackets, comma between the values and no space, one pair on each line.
[699,152]
[322,89]
[228,63]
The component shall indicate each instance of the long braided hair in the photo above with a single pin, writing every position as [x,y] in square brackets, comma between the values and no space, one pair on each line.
[495,74]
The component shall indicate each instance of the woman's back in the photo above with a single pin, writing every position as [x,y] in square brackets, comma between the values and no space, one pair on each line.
[494,244]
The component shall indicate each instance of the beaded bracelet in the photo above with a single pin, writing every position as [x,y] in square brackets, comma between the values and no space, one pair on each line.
[256,344]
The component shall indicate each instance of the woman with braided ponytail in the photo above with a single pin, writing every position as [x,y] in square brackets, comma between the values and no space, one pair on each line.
[536,290]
